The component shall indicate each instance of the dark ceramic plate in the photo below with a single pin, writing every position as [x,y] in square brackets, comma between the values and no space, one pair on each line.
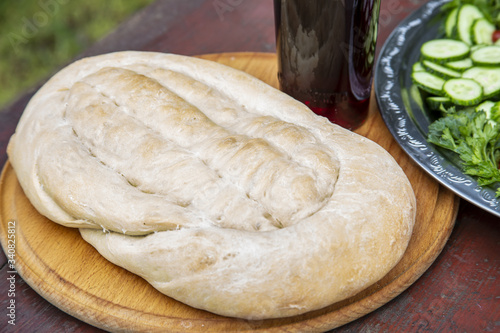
[407,117]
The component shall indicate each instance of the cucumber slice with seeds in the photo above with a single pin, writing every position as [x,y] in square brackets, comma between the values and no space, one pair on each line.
[428,82]
[444,50]
[487,55]
[466,16]
[482,31]
[441,71]
[487,77]
[463,91]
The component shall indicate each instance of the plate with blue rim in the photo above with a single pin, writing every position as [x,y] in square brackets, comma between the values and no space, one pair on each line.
[407,117]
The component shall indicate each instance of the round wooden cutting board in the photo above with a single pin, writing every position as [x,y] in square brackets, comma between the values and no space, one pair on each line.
[57,263]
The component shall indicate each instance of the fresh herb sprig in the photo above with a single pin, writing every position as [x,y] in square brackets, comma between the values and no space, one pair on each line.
[476,140]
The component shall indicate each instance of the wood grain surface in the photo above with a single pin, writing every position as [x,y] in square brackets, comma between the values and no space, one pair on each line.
[70,274]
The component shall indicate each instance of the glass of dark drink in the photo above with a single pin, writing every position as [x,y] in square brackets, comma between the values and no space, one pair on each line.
[326,52]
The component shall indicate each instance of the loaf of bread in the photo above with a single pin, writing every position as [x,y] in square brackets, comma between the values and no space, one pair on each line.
[219,190]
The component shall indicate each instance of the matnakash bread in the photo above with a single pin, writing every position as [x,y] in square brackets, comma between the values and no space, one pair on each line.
[219,190]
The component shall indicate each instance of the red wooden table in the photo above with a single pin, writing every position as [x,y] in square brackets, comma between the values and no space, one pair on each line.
[458,293]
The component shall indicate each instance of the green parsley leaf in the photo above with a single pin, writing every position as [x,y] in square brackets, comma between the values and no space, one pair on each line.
[474,138]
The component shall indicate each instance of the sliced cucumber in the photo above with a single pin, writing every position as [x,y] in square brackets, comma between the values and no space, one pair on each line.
[467,14]
[441,71]
[444,50]
[428,82]
[488,77]
[486,106]
[495,112]
[463,91]
[487,55]
[482,31]
[450,24]
[476,47]
[492,110]
[436,102]
[460,65]
[417,67]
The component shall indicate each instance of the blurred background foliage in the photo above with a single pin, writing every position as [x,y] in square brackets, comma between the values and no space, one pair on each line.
[39,36]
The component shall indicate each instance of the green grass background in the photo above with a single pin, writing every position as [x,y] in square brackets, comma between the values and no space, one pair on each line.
[38,36]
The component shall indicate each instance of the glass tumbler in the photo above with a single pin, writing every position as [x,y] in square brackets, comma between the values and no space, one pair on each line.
[326,52]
